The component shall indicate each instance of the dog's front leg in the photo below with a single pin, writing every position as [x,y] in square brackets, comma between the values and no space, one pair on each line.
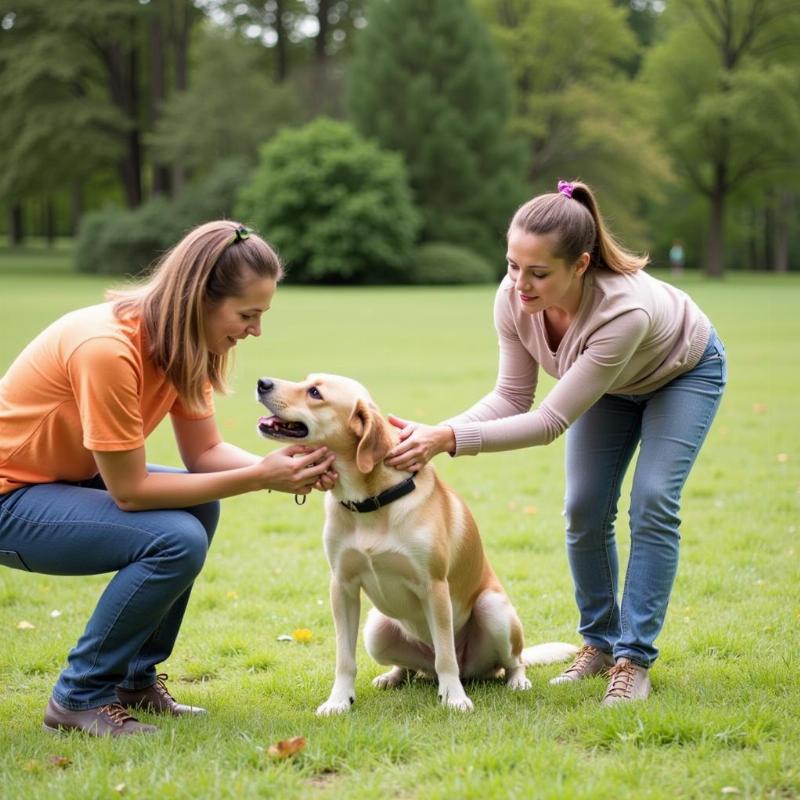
[346,604]
[439,611]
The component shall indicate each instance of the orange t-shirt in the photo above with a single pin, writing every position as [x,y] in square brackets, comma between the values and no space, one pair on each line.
[85,383]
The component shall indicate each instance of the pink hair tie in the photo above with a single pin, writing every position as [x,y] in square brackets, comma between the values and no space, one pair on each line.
[565,188]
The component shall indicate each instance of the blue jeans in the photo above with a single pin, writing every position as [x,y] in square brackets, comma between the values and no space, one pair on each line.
[77,529]
[669,425]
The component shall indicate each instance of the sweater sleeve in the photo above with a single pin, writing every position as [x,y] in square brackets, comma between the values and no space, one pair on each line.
[517,375]
[592,374]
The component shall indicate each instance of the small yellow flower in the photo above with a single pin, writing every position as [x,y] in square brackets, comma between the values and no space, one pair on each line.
[303,635]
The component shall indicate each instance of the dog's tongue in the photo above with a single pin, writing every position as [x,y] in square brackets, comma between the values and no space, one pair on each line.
[267,420]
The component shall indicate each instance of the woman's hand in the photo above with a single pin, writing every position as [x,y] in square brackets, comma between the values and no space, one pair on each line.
[419,444]
[298,469]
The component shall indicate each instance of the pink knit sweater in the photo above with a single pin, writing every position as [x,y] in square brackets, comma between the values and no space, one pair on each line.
[631,335]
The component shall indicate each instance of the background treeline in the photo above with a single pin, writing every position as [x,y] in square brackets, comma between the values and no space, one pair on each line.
[390,140]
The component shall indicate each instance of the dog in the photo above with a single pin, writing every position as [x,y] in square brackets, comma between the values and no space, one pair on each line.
[410,542]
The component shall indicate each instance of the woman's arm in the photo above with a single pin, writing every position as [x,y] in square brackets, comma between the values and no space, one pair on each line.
[293,469]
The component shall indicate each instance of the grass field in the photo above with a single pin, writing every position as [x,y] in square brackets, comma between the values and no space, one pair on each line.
[723,719]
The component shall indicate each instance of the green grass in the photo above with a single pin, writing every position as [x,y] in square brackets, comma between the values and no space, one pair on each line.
[724,712]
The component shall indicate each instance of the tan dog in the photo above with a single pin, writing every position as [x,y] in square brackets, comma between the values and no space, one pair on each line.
[411,543]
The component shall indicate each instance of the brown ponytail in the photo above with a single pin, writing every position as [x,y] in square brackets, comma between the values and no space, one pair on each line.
[573,216]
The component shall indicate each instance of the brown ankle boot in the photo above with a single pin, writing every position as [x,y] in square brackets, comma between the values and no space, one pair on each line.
[589,661]
[108,720]
[156,699]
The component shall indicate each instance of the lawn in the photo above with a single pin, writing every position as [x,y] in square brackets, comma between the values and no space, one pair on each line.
[723,719]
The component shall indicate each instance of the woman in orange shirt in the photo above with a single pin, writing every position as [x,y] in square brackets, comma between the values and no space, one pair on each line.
[77,496]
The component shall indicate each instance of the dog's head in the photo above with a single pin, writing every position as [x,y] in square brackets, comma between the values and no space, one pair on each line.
[326,410]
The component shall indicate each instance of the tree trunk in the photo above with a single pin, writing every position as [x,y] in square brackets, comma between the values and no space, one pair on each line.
[158,93]
[780,231]
[49,222]
[75,206]
[16,233]
[281,45]
[321,42]
[715,257]
[180,50]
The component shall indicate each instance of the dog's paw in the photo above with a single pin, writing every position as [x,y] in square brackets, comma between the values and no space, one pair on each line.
[334,706]
[458,703]
[455,697]
[518,683]
[392,679]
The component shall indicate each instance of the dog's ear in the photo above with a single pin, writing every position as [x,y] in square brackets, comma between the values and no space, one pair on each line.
[374,441]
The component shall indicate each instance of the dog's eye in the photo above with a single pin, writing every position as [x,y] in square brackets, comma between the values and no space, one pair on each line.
[314,392]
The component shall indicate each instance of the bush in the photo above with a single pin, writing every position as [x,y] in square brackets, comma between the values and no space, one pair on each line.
[444,263]
[118,241]
[337,207]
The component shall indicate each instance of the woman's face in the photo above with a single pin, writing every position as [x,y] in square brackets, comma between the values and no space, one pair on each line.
[237,318]
[540,279]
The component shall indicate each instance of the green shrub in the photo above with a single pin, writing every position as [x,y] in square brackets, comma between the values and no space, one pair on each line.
[337,207]
[118,241]
[444,263]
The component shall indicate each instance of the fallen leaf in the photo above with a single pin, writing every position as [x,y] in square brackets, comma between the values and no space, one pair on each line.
[729,790]
[32,765]
[55,613]
[62,762]
[120,788]
[782,458]
[285,638]
[759,408]
[24,625]
[531,509]
[287,747]
[303,635]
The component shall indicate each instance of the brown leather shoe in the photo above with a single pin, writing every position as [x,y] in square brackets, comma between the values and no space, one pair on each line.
[627,680]
[156,699]
[589,661]
[108,720]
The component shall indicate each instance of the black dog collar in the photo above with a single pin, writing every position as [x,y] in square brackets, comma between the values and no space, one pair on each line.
[383,499]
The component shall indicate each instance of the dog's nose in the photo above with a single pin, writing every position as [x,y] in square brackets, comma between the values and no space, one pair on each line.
[265,385]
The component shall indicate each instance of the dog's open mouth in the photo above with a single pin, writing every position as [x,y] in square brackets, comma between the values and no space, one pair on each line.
[275,426]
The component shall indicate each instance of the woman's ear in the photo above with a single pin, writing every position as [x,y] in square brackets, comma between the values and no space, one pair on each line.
[582,264]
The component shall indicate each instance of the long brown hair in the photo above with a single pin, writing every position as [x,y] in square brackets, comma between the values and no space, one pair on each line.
[211,263]
[573,216]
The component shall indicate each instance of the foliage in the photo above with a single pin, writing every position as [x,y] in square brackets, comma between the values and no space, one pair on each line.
[720,715]
[230,108]
[427,82]
[120,241]
[444,263]
[734,67]
[336,206]
[576,105]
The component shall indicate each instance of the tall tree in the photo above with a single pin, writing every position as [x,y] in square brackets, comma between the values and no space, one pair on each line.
[723,74]
[576,105]
[218,119]
[427,82]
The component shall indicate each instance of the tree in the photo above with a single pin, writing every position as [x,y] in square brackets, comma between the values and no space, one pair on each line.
[216,119]
[724,72]
[336,206]
[576,105]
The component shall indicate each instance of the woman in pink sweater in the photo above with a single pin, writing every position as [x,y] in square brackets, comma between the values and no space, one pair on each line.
[638,364]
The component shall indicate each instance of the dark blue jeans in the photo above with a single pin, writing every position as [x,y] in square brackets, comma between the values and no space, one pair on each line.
[77,529]
[669,426]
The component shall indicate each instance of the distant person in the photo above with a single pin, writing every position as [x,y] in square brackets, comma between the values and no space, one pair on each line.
[77,496]
[677,258]
[638,364]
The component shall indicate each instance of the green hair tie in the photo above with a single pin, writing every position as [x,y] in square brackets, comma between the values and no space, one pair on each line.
[240,234]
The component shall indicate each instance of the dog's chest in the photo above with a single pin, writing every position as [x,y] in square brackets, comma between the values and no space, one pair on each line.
[392,571]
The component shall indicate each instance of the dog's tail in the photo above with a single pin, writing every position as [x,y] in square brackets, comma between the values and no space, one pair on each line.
[550,653]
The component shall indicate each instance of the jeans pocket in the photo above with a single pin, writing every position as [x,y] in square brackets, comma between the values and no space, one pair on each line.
[11,558]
